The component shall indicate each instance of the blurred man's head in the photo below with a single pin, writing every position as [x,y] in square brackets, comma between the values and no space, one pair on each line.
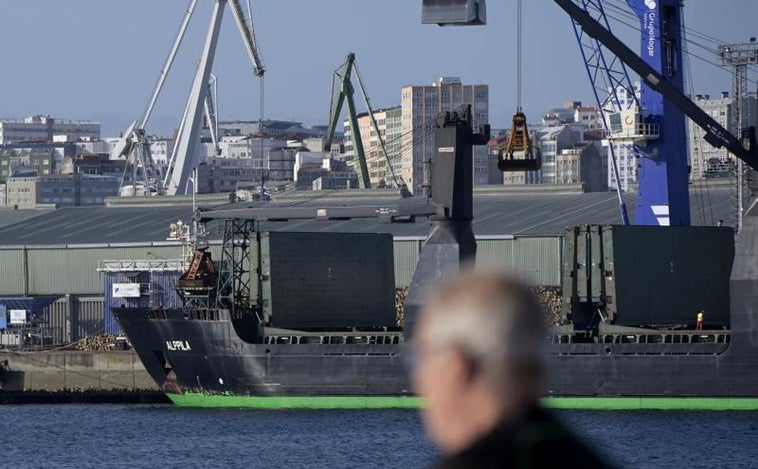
[479,356]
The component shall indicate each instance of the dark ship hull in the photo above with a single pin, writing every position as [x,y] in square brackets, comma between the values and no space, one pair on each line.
[198,359]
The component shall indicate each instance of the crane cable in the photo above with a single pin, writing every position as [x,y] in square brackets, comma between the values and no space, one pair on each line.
[518,139]
[699,196]
[260,66]
[626,18]
[519,22]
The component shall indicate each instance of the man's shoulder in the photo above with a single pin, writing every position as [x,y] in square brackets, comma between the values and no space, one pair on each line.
[543,441]
[539,440]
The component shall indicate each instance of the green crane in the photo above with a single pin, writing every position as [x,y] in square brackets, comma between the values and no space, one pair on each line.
[343,76]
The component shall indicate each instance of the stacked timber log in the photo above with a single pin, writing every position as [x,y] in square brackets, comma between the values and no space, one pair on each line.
[550,300]
[96,343]
[400,295]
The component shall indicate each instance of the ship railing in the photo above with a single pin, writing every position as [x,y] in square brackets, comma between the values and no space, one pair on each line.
[334,339]
[662,337]
[142,265]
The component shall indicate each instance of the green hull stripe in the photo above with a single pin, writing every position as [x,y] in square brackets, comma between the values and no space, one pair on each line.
[404,402]
[295,402]
[652,403]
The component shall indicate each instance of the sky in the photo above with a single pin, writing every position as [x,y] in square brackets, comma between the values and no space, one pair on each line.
[99,59]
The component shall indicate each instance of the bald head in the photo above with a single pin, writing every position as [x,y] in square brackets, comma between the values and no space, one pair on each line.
[494,320]
[479,347]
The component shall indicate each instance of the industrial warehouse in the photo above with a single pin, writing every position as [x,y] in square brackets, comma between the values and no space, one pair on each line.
[62,270]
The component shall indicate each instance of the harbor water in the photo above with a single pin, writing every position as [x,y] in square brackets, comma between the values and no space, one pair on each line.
[170,437]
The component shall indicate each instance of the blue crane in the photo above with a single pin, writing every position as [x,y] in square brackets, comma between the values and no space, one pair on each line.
[639,120]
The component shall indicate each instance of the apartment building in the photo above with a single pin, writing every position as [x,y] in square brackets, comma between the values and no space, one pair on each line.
[705,158]
[61,190]
[389,125]
[420,106]
[42,162]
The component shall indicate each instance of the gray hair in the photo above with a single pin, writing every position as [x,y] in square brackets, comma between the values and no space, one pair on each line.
[494,320]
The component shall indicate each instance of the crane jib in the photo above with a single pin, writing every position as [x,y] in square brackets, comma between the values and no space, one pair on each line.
[716,134]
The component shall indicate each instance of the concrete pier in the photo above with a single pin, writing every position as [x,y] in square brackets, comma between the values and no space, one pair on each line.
[58,376]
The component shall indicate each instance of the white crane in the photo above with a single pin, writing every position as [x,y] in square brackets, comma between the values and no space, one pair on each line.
[185,155]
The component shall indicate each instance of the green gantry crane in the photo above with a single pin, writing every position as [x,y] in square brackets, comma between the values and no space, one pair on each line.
[343,76]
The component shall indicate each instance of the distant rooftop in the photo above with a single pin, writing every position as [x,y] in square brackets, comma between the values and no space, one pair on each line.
[496,214]
[39,119]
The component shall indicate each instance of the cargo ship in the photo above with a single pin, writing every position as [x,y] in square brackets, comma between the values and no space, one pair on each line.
[308,319]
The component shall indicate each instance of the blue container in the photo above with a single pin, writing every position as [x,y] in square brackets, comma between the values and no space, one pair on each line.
[3,318]
[162,289]
[156,289]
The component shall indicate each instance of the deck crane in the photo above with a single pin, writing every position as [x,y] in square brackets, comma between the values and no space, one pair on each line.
[343,79]
[657,124]
[135,143]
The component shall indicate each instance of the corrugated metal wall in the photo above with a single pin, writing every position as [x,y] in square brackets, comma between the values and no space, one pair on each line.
[50,269]
[73,269]
[59,322]
[11,272]
[72,318]
[538,260]
[88,318]
[495,253]
[535,260]
[406,256]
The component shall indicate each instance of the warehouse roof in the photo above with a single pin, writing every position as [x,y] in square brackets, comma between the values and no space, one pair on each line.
[9,216]
[534,214]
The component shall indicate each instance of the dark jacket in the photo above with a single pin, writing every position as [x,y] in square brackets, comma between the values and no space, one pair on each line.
[534,441]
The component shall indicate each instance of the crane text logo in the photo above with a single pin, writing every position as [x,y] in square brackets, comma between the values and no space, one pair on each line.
[649,25]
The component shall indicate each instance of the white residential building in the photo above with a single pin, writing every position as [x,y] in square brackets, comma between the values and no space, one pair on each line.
[590,117]
[703,156]
[94,146]
[46,129]
[551,142]
[160,150]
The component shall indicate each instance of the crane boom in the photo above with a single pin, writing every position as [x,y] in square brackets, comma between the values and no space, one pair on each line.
[397,180]
[346,94]
[248,35]
[134,144]
[169,62]
[715,133]
[186,150]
